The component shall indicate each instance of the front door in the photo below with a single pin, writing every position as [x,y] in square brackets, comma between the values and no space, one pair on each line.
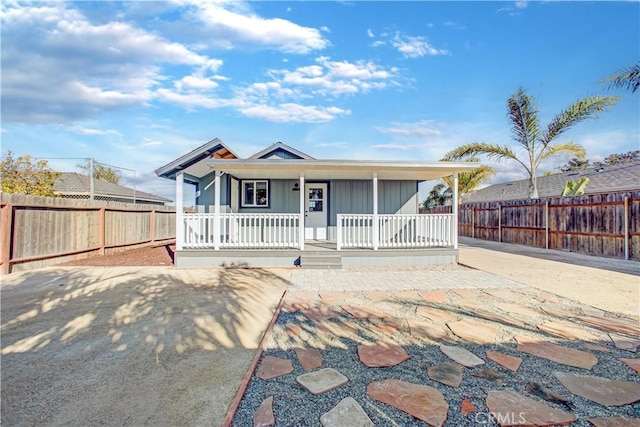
[315,222]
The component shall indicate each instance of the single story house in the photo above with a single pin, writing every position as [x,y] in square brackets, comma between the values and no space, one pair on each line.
[283,207]
[603,179]
[73,185]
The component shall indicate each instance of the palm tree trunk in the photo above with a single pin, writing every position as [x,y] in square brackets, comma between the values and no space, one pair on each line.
[533,187]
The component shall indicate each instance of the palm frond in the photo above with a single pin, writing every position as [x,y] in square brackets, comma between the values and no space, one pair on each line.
[562,148]
[628,78]
[492,151]
[523,115]
[577,112]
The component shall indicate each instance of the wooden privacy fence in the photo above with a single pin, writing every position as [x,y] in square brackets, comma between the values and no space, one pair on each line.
[596,224]
[41,231]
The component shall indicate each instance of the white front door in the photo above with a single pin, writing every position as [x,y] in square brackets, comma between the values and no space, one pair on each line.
[315,221]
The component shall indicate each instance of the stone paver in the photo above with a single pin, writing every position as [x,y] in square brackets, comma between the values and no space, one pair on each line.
[547,394]
[615,422]
[263,416]
[499,318]
[363,312]
[421,401]
[512,409]
[318,314]
[555,311]
[489,375]
[559,354]
[272,367]
[420,329]
[613,325]
[472,304]
[393,279]
[333,297]
[448,374]
[521,310]
[632,363]
[385,327]
[567,330]
[382,354]
[436,314]
[473,330]
[510,362]
[624,343]
[347,413]
[309,358]
[339,329]
[321,381]
[434,296]
[461,355]
[466,407]
[601,390]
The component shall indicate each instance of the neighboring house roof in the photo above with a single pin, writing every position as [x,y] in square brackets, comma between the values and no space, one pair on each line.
[281,151]
[215,149]
[621,177]
[76,184]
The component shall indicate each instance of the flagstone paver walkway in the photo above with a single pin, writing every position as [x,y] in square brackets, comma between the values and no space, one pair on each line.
[425,353]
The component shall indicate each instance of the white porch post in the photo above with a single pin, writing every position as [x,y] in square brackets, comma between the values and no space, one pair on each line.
[302,210]
[454,211]
[216,211]
[179,211]
[376,224]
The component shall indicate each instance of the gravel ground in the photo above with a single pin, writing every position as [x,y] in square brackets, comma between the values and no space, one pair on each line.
[293,406]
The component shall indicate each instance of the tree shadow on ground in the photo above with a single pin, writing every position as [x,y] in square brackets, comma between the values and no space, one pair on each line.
[125,346]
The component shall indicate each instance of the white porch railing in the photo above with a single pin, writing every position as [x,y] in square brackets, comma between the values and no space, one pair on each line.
[395,231]
[242,230]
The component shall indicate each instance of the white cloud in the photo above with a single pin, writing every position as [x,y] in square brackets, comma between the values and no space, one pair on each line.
[328,77]
[394,147]
[415,47]
[58,67]
[82,130]
[521,4]
[227,24]
[422,128]
[378,43]
[150,142]
[290,112]
[370,33]
[455,25]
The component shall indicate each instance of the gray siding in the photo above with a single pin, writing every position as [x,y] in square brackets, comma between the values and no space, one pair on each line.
[345,196]
[206,196]
[282,198]
[356,197]
[281,153]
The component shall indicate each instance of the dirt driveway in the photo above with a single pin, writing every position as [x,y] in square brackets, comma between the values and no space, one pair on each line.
[130,346]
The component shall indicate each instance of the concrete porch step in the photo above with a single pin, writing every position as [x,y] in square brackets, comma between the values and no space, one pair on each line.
[321,261]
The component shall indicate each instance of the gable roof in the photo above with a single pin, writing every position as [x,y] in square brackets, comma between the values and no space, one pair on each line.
[76,184]
[213,149]
[621,177]
[279,146]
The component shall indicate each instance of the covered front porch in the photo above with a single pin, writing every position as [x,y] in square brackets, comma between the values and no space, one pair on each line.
[317,226]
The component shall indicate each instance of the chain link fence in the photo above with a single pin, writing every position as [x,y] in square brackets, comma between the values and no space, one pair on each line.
[87,179]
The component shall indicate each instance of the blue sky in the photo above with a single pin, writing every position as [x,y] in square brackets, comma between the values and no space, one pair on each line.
[137,84]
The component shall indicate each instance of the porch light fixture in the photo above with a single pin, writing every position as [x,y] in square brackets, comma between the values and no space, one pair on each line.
[296,186]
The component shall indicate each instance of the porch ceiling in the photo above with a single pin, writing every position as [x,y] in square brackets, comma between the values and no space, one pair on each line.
[339,169]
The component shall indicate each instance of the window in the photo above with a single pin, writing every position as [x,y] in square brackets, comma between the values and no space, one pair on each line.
[255,193]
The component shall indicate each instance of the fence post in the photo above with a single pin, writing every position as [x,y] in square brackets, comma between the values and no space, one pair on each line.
[473,222]
[152,226]
[546,224]
[625,224]
[102,229]
[7,236]
[499,223]
[339,232]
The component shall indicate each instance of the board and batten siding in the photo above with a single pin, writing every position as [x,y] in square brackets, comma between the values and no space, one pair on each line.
[282,198]
[206,198]
[356,197]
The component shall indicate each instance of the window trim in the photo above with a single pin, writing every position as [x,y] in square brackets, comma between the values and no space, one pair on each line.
[254,205]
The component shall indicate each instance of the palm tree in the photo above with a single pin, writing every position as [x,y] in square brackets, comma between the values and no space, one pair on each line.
[441,193]
[628,78]
[536,143]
